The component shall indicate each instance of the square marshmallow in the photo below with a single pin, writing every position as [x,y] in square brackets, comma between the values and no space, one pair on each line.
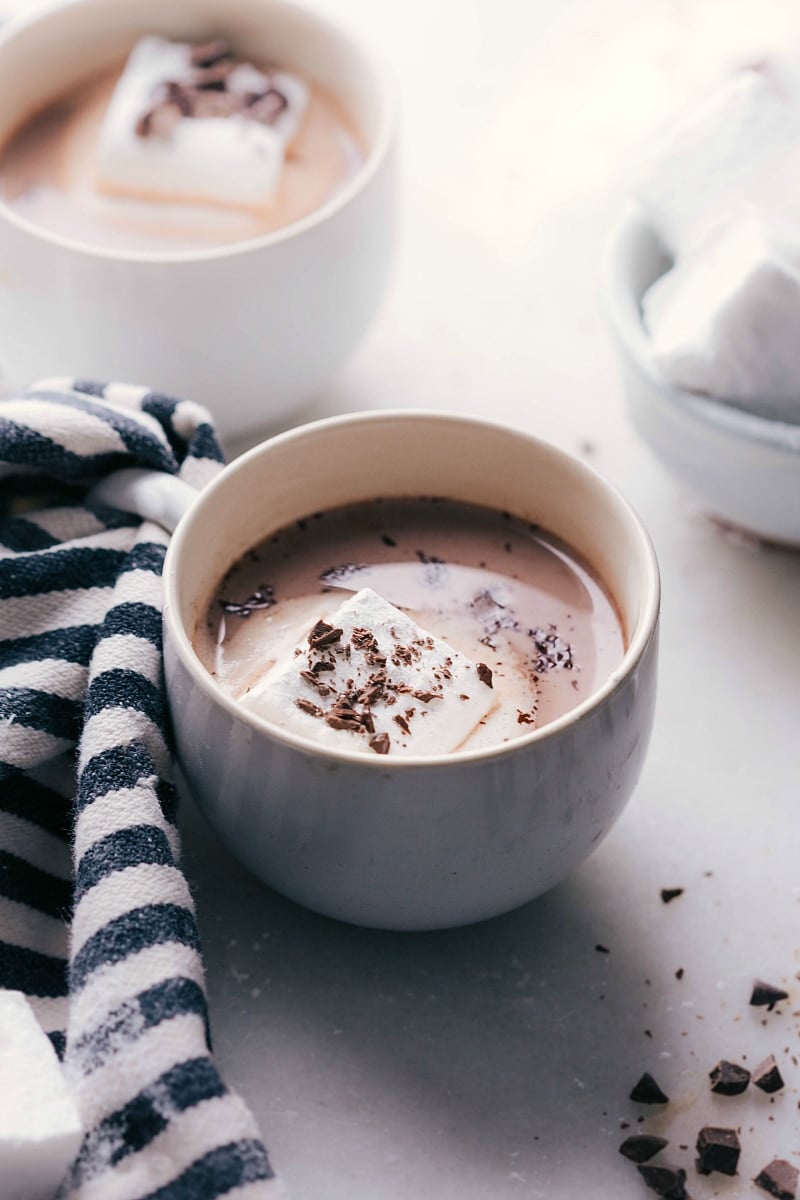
[432,698]
[725,320]
[740,147]
[40,1128]
[233,161]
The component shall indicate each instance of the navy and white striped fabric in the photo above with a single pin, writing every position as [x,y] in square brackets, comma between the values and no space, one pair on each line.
[97,925]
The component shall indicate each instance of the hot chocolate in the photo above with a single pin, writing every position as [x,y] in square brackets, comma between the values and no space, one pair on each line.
[188,146]
[411,626]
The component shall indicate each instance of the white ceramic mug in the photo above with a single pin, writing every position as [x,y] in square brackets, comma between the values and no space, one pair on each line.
[417,843]
[249,329]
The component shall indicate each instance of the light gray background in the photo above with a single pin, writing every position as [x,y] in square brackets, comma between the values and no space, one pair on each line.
[495,1061]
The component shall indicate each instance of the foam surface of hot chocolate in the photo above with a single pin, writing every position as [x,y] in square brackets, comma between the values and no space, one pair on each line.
[495,594]
[369,676]
[194,124]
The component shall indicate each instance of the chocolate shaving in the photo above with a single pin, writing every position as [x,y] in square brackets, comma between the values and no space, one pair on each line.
[641,1147]
[380,743]
[400,720]
[484,674]
[316,682]
[264,597]
[524,718]
[267,107]
[779,1178]
[426,697]
[323,634]
[667,1182]
[729,1079]
[554,652]
[207,54]
[717,1150]
[309,707]
[647,1091]
[766,994]
[363,639]
[767,1076]
[213,78]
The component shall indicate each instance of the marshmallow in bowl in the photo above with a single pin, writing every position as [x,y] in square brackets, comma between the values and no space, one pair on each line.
[188,123]
[724,321]
[739,148]
[369,679]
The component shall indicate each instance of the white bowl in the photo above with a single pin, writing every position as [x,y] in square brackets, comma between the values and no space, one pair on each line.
[410,843]
[744,467]
[250,329]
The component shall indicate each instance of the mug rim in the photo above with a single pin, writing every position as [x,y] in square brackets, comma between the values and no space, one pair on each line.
[373,63]
[640,638]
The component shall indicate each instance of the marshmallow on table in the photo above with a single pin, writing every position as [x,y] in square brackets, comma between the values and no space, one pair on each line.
[232,160]
[725,321]
[740,147]
[408,692]
[40,1129]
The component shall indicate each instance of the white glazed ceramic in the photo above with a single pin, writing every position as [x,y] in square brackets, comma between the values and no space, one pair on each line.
[251,329]
[744,467]
[420,843]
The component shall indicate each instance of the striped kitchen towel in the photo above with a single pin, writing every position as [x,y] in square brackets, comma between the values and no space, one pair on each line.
[97,925]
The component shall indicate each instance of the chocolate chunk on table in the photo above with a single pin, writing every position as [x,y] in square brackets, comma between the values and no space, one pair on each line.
[729,1079]
[647,1091]
[667,1182]
[668,894]
[779,1178]
[717,1150]
[767,1076]
[766,994]
[641,1147]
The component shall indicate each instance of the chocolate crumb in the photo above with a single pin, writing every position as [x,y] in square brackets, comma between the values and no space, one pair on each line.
[641,1147]
[524,718]
[602,949]
[779,1178]
[388,541]
[717,1150]
[729,1079]
[400,720]
[647,1091]
[669,894]
[380,743]
[766,994]
[309,707]
[679,973]
[767,1076]
[667,1182]
[484,674]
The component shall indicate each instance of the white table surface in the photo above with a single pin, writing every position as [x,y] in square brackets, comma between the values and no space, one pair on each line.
[495,1061]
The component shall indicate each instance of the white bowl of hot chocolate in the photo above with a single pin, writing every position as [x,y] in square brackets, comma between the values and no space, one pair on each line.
[197,195]
[412,682]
